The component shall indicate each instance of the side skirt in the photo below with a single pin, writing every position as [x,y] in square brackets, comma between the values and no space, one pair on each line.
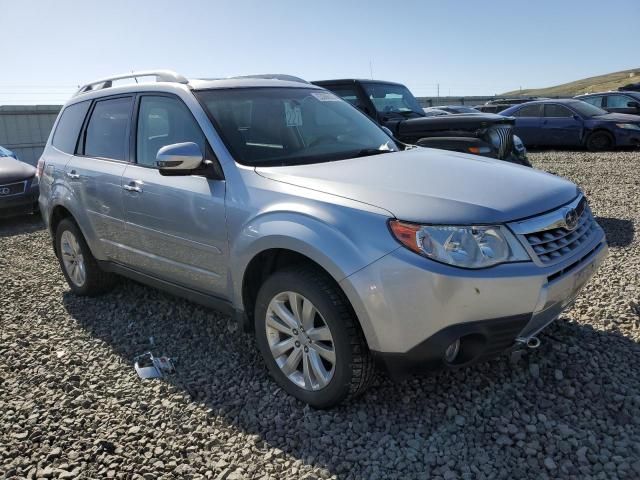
[204,299]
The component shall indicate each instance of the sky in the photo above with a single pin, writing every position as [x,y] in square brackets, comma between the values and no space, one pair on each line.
[466,47]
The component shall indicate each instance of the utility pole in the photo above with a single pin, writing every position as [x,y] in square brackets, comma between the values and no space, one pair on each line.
[370,69]
[438,91]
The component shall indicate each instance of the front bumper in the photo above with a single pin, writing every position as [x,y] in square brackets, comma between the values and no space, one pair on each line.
[411,309]
[20,204]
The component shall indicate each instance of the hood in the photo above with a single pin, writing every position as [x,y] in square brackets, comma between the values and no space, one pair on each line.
[434,186]
[12,170]
[618,117]
[462,121]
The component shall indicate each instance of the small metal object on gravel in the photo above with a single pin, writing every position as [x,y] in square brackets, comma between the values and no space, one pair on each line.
[148,366]
[66,381]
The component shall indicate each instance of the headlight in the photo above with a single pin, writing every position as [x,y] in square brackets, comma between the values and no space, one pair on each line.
[628,126]
[460,246]
[517,142]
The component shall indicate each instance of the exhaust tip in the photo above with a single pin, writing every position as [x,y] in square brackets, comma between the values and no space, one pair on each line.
[451,353]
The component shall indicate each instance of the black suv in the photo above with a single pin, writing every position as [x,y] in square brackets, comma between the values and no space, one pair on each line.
[393,106]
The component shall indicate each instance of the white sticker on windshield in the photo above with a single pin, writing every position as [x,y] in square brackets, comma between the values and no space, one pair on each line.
[325,96]
[293,114]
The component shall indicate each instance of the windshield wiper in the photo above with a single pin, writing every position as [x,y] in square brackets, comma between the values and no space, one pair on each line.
[365,152]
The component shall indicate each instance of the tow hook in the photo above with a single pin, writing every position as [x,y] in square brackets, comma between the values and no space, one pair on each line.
[531,342]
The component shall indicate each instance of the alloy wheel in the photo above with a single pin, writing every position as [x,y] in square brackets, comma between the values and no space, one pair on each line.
[72,258]
[300,341]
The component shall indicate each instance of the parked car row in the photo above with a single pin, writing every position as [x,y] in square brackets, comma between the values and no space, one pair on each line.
[338,247]
[573,123]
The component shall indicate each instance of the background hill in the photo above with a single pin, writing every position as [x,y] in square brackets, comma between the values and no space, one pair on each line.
[601,83]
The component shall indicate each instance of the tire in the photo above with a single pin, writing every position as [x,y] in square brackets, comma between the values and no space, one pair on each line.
[87,278]
[352,370]
[600,141]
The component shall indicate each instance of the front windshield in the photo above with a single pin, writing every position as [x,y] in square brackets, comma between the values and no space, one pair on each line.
[586,109]
[290,126]
[390,98]
[4,152]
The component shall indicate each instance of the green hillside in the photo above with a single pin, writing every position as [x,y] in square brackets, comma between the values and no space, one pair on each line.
[601,83]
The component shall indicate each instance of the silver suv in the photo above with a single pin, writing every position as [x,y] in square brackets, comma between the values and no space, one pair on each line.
[279,203]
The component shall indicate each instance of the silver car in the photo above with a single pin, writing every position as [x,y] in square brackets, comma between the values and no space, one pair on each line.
[279,203]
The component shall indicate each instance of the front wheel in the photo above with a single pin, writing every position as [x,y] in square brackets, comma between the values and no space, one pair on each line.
[600,141]
[310,338]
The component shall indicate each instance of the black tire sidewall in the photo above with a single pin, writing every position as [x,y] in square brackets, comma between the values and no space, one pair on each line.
[339,385]
[606,135]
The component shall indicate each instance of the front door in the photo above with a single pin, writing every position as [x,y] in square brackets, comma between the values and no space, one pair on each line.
[561,126]
[175,225]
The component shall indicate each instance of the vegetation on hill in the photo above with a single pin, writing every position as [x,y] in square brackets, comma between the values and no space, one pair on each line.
[601,83]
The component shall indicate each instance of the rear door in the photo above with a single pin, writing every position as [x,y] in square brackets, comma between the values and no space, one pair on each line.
[560,126]
[175,225]
[528,124]
[95,172]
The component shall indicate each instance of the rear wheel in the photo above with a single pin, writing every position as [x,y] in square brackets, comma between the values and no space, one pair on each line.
[600,141]
[310,339]
[78,264]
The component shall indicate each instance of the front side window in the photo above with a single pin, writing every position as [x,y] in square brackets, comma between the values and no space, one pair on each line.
[108,129]
[391,98]
[529,111]
[552,110]
[618,101]
[595,101]
[65,137]
[586,109]
[164,121]
[288,126]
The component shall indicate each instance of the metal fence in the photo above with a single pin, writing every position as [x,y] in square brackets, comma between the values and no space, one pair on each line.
[24,129]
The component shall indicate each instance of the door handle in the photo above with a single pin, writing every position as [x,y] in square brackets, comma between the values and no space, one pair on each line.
[73,175]
[133,186]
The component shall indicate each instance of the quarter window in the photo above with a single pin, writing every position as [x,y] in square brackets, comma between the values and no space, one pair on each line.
[164,121]
[557,111]
[529,111]
[107,131]
[65,137]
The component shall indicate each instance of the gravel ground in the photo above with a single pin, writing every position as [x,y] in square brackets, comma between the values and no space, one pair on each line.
[72,405]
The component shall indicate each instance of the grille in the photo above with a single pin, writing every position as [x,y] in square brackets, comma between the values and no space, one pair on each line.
[501,137]
[554,245]
[12,189]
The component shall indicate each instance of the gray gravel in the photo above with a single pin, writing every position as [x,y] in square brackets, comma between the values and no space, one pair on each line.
[71,404]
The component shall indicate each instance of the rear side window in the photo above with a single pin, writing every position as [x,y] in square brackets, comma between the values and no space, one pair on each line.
[596,101]
[557,111]
[65,137]
[108,129]
[529,111]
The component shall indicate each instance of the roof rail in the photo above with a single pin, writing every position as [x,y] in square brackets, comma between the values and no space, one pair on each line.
[275,76]
[161,76]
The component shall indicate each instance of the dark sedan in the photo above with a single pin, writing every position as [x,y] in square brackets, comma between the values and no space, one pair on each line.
[18,186]
[573,123]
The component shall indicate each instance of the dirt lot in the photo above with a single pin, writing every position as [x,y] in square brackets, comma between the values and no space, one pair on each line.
[72,405]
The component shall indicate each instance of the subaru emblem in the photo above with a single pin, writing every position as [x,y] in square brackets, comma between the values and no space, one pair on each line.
[571,219]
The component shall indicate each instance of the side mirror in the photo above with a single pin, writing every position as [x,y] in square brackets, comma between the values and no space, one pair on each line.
[577,117]
[633,104]
[179,157]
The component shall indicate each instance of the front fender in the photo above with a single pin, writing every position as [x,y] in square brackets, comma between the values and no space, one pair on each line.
[341,247]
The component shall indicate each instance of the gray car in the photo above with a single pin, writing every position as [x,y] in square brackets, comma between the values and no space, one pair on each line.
[283,205]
